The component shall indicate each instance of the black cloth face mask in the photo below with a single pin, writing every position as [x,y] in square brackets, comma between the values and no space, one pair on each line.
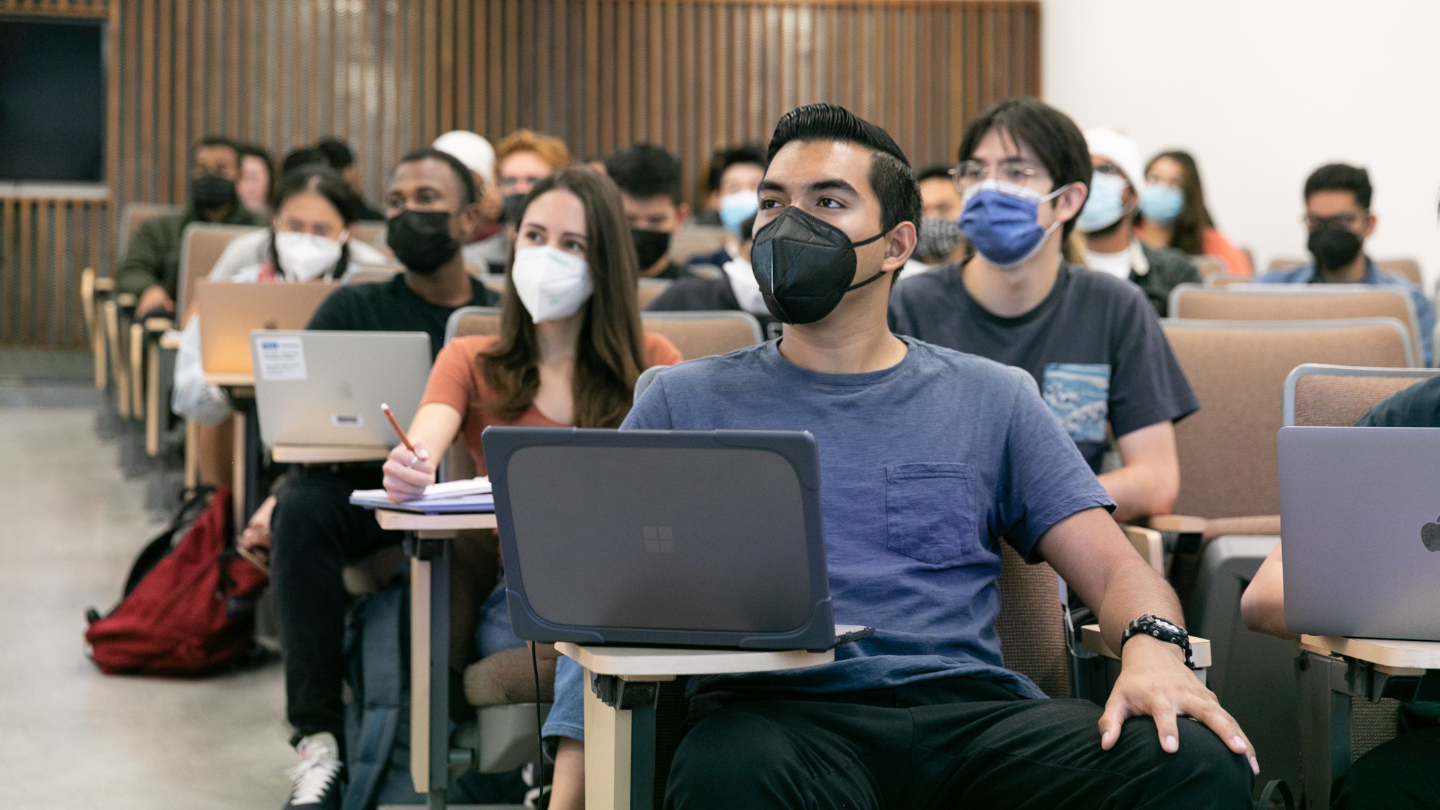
[1333,246]
[210,192]
[421,239]
[650,246]
[510,208]
[804,266]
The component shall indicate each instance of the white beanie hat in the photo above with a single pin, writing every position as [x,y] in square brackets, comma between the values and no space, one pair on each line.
[1120,149]
[474,151]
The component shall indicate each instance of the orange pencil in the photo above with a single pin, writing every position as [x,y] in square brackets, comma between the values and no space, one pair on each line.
[398,430]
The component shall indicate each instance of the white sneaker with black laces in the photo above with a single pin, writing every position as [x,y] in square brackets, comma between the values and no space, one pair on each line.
[317,778]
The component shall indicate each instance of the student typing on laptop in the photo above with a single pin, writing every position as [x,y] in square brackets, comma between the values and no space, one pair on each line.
[1399,774]
[430,205]
[928,458]
[569,351]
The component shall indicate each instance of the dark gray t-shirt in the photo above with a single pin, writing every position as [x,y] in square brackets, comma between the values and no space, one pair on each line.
[1094,345]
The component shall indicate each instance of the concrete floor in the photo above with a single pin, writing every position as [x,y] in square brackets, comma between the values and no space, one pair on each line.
[70,526]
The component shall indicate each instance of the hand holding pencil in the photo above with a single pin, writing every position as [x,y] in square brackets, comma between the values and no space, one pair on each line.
[408,470]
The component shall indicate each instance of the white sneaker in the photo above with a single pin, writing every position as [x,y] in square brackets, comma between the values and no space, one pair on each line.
[317,777]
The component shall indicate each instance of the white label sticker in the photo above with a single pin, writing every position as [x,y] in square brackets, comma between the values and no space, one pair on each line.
[282,359]
[347,420]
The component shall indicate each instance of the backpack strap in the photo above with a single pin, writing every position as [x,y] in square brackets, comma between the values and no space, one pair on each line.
[380,694]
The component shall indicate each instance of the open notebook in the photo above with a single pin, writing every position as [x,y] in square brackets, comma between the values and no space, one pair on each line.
[467,495]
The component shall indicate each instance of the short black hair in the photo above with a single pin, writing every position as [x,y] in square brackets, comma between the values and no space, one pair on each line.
[748,154]
[211,141]
[890,175]
[1341,177]
[462,174]
[299,158]
[644,171]
[322,180]
[935,171]
[337,153]
[1050,134]
[255,150]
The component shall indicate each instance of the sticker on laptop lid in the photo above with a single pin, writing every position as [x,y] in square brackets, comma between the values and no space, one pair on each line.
[347,420]
[281,359]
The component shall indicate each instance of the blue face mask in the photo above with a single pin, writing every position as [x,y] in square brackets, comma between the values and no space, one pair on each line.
[736,208]
[1161,202]
[1104,207]
[999,220]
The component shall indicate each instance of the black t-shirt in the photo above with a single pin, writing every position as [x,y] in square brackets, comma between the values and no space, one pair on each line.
[392,307]
[1416,406]
[1094,345]
[673,270]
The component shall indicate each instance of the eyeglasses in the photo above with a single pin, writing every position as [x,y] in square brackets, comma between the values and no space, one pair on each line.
[1346,221]
[1016,172]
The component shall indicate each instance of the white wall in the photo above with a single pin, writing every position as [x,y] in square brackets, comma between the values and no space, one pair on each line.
[1262,92]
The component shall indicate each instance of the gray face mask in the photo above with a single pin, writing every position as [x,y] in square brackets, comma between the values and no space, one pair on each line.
[938,236]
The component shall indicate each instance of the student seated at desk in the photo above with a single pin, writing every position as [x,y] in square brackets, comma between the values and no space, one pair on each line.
[431,204]
[1399,774]
[929,459]
[1091,340]
[309,238]
[569,351]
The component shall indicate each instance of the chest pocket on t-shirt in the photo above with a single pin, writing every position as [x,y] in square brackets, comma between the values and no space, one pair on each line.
[1079,396]
[930,512]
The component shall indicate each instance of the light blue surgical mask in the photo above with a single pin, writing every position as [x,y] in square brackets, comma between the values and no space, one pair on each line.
[737,207]
[1104,206]
[999,220]
[1161,203]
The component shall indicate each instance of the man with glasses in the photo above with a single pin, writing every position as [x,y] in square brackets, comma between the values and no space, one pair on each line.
[1108,222]
[1091,340]
[1338,218]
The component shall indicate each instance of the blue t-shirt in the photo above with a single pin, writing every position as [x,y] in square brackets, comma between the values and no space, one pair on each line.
[924,467]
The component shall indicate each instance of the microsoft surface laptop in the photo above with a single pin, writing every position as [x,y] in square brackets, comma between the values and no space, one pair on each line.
[325,388]
[228,311]
[663,538]
[1360,524]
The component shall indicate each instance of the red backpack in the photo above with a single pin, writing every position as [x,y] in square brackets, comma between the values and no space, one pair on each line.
[187,610]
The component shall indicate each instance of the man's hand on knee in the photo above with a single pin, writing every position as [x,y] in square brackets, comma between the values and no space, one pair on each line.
[1154,681]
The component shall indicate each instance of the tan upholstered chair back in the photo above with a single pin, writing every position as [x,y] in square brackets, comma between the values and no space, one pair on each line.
[650,289]
[373,273]
[1031,625]
[1337,396]
[1274,302]
[692,240]
[135,215]
[369,232]
[701,334]
[1228,465]
[473,321]
[200,247]
[1408,269]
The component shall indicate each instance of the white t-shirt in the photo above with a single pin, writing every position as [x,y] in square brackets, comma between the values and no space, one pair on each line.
[1116,264]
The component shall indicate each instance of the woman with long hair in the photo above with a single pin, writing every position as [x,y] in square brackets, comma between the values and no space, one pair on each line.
[1173,213]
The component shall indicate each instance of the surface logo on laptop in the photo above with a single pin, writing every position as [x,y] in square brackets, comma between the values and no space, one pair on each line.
[659,540]
[1430,536]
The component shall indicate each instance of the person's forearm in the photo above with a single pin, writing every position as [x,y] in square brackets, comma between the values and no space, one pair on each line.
[1262,606]
[568,791]
[1139,491]
[1135,590]
[436,426]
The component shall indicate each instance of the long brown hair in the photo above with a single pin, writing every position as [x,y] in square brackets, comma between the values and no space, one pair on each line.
[1188,233]
[610,353]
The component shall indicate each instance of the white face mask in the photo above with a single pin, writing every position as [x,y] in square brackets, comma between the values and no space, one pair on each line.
[746,288]
[551,283]
[304,256]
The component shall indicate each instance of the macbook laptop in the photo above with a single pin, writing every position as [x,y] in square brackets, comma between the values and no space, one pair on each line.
[663,538]
[326,388]
[228,311]
[1360,524]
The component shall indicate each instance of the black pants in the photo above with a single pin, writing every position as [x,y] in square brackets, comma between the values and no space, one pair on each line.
[945,744]
[1401,774]
[315,533]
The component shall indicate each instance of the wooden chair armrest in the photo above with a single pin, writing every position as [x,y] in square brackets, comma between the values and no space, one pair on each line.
[1398,657]
[1149,544]
[104,284]
[1092,640]
[126,300]
[158,325]
[1180,524]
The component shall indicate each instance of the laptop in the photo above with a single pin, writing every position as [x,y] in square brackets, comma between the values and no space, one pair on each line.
[228,311]
[1360,523]
[325,388]
[663,538]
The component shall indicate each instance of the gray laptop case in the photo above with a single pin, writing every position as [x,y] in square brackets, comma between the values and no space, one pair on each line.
[662,538]
[1360,525]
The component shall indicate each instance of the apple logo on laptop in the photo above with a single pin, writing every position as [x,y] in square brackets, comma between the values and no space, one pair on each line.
[1430,536]
[271,325]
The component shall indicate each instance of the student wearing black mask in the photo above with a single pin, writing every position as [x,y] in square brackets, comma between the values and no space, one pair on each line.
[649,181]
[431,204]
[151,267]
[1338,219]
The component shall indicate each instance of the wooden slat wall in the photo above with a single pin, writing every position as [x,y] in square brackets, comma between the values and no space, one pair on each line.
[387,76]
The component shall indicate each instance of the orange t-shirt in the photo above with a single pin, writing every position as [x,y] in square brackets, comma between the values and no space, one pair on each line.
[455,381]
[1213,243]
